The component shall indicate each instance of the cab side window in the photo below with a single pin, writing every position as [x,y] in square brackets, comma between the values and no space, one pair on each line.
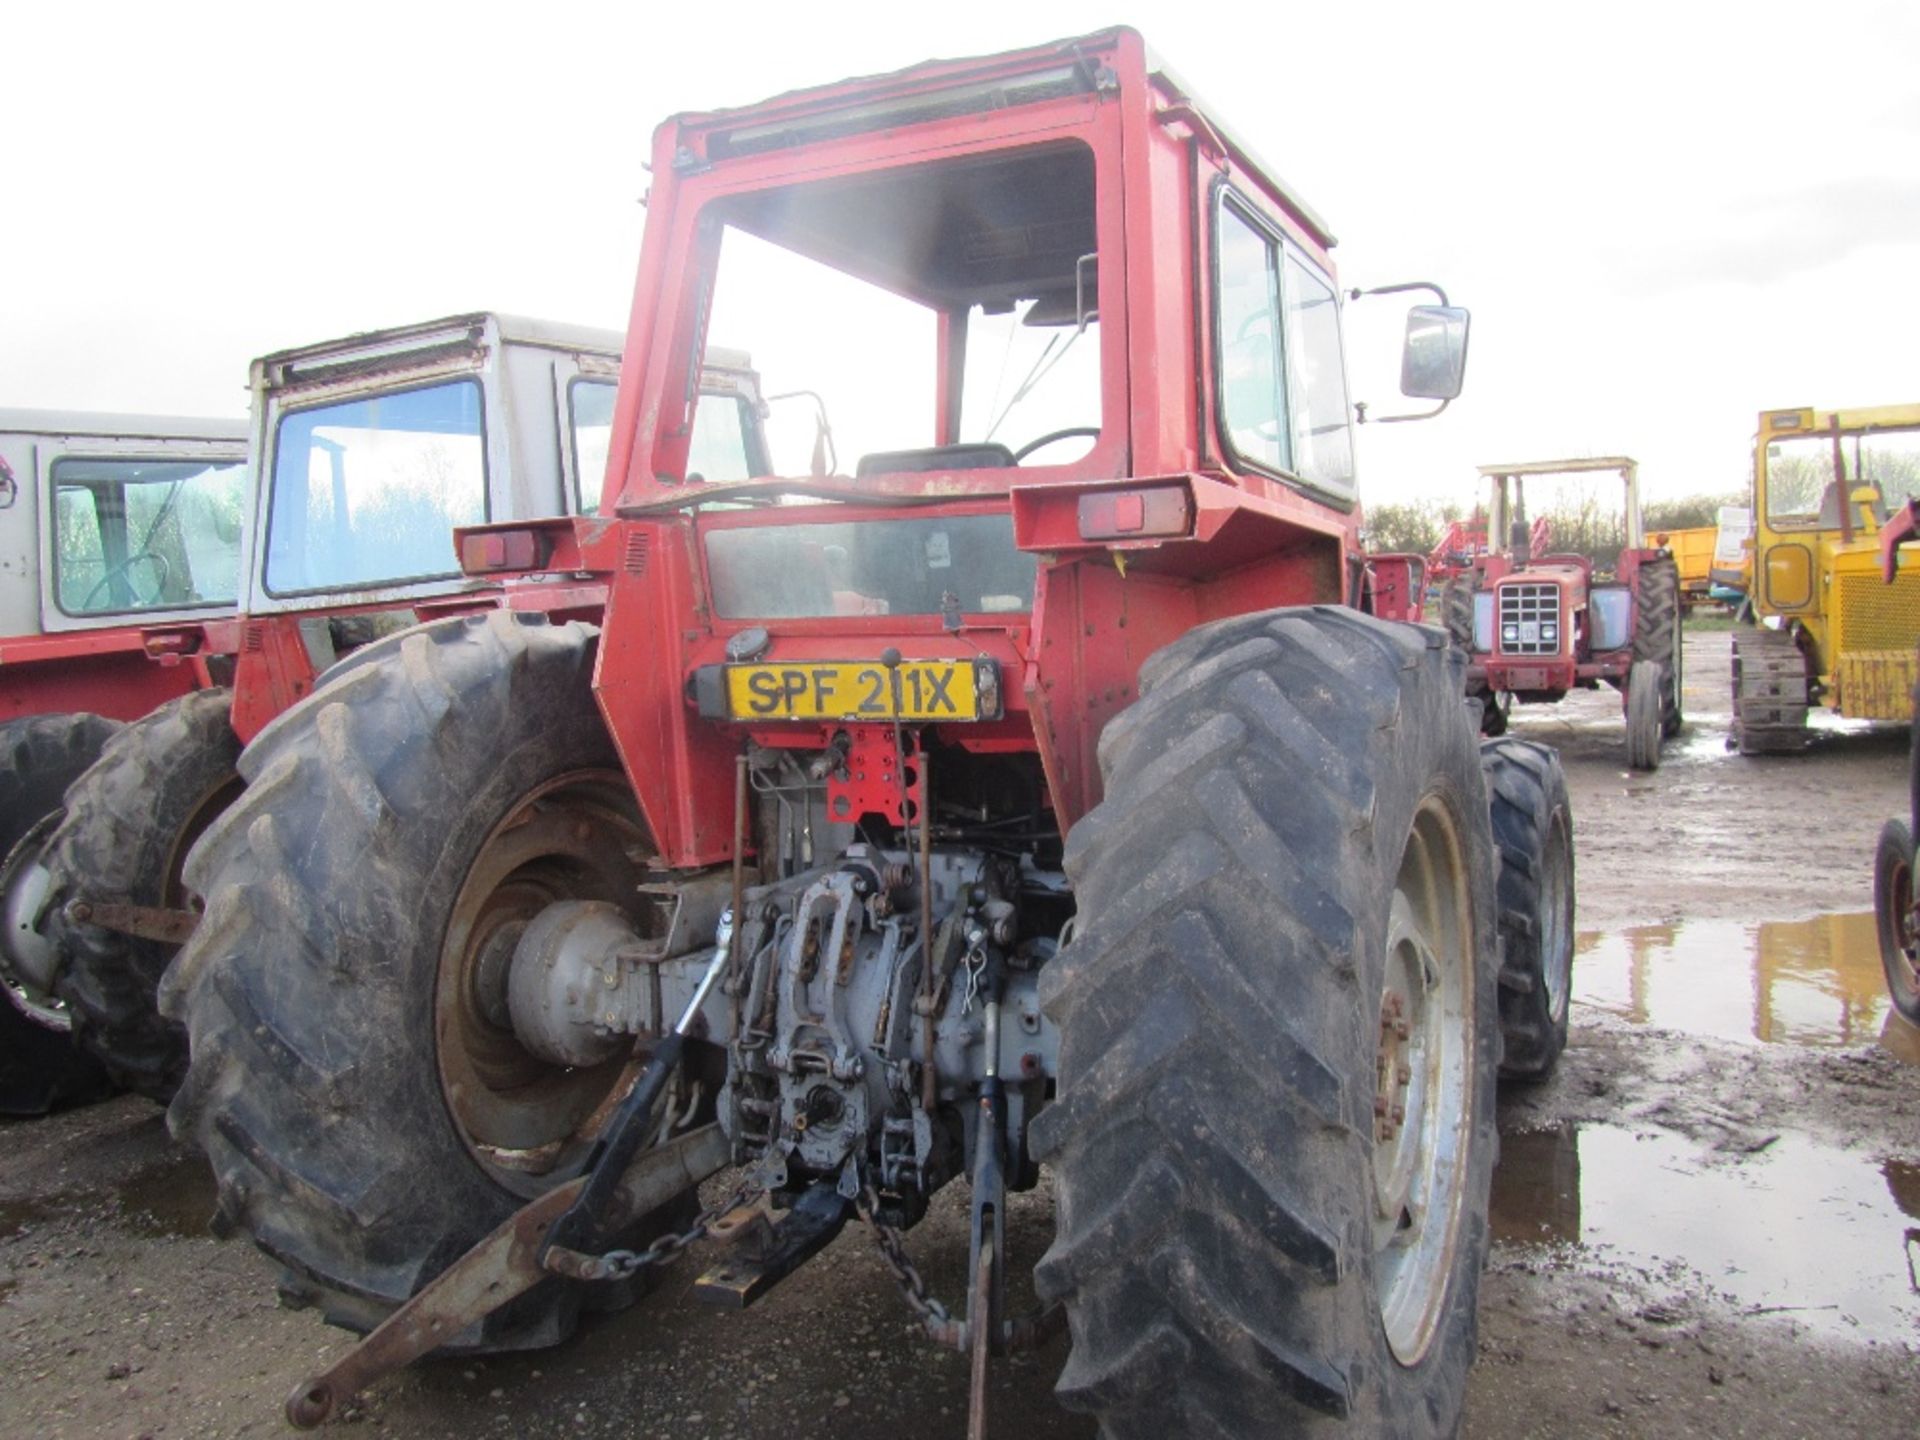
[1282,376]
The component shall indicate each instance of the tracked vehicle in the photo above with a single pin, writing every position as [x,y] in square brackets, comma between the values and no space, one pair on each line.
[1039,792]
[1833,635]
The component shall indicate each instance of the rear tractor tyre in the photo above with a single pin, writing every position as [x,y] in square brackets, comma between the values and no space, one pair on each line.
[1643,703]
[130,822]
[1657,636]
[1279,1037]
[1894,918]
[355,1079]
[40,756]
[1533,832]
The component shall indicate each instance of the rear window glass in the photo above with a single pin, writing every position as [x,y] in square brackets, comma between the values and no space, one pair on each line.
[367,492]
[870,567]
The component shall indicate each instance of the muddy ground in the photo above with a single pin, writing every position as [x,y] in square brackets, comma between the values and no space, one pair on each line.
[1707,1224]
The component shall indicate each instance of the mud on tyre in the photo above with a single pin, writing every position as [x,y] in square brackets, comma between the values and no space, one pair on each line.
[1533,833]
[1280,997]
[130,821]
[355,1080]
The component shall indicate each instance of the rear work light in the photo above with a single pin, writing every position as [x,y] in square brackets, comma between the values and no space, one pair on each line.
[496,551]
[1136,514]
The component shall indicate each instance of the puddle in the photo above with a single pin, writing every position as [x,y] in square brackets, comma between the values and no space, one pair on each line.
[174,1198]
[1799,982]
[1826,1238]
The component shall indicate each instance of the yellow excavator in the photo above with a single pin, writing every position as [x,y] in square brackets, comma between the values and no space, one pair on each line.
[1833,634]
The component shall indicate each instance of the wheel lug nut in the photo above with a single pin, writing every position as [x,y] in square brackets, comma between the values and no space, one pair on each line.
[1399,1113]
[1404,1074]
[1380,1105]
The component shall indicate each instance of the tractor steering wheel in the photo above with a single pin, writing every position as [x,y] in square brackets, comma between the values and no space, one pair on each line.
[1071,432]
[164,573]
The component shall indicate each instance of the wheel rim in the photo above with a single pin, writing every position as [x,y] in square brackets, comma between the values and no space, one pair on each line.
[1905,956]
[26,954]
[174,893]
[578,836]
[1423,1082]
[1556,916]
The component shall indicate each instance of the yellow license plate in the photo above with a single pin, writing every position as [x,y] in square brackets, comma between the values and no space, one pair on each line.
[855,690]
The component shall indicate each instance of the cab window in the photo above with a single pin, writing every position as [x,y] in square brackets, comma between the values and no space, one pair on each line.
[1282,376]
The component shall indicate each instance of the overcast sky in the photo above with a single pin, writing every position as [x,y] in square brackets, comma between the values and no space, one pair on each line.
[1665,217]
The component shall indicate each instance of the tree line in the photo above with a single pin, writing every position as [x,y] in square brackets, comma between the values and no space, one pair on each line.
[1587,519]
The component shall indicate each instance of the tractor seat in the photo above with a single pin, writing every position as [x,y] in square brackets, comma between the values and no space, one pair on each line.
[985,455]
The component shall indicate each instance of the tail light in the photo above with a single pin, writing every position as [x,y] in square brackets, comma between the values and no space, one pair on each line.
[1155,513]
[494,551]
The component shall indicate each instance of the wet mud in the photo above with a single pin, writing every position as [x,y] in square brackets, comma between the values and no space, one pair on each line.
[1707,1223]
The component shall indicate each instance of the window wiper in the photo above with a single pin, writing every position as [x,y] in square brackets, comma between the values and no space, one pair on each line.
[701,493]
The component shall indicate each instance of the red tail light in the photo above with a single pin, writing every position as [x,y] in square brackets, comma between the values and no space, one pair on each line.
[1136,514]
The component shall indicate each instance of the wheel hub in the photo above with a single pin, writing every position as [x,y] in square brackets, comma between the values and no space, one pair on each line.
[523,1112]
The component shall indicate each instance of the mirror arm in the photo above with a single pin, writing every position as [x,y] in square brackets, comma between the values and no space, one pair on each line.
[1401,289]
[1361,417]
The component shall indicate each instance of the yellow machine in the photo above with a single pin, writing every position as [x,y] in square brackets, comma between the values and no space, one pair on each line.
[1823,483]
[1692,551]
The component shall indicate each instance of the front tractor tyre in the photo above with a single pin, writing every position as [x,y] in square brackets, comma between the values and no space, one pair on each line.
[130,821]
[1280,1033]
[1642,703]
[1533,832]
[1657,636]
[1894,917]
[355,1078]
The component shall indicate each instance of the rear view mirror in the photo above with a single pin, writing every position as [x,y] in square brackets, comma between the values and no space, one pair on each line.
[1433,361]
[1433,364]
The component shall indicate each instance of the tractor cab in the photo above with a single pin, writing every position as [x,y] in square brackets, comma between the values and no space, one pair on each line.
[109,523]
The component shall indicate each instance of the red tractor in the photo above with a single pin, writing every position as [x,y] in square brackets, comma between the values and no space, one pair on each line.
[371,448]
[1535,626]
[119,547]
[1039,792]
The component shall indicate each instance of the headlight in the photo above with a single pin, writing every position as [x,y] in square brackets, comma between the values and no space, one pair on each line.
[1510,634]
[1550,634]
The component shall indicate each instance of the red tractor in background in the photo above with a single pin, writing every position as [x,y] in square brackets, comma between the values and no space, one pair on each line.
[1038,792]
[368,450]
[119,547]
[1535,625]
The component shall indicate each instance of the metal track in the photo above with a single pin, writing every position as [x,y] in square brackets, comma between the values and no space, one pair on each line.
[1769,693]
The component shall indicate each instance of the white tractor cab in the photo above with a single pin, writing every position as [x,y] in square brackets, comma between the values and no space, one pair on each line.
[365,454]
[107,520]
[372,449]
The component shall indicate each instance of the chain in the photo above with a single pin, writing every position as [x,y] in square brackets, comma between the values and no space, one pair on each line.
[624,1264]
[934,1316]
[1025,1332]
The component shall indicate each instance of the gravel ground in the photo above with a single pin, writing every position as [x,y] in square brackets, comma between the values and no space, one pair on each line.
[1708,1222]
